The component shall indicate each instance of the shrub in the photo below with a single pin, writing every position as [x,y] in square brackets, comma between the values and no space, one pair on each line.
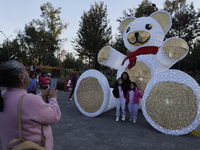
[111,83]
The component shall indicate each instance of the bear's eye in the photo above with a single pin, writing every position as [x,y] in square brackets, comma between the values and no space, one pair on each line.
[128,29]
[148,26]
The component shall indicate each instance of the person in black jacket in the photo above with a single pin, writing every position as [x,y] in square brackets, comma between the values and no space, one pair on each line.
[126,80]
[119,93]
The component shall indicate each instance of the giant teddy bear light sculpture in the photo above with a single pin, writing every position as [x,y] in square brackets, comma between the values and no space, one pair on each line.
[171,98]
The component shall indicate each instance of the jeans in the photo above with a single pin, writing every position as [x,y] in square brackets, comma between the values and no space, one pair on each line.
[120,103]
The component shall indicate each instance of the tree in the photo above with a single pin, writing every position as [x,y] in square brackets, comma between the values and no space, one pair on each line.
[62,55]
[174,6]
[4,52]
[186,25]
[145,9]
[15,50]
[69,61]
[41,39]
[93,34]
[185,22]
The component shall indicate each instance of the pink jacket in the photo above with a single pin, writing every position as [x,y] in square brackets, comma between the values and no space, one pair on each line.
[43,81]
[136,98]
[34,113]
[48,79]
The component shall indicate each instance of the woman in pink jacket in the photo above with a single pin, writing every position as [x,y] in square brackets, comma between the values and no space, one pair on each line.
[35,112]
[133,100]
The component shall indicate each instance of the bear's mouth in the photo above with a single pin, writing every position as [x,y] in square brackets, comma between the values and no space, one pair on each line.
[138,38]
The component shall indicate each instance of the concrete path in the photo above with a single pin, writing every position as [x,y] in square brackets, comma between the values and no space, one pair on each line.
[75,131]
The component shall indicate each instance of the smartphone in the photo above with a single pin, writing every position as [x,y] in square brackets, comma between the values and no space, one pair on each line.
[53,84]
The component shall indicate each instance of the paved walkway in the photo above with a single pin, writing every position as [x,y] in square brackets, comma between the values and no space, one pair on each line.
[75,131]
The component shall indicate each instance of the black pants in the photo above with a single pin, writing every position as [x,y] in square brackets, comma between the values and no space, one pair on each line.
[44,88]
[72,92]
[66,89]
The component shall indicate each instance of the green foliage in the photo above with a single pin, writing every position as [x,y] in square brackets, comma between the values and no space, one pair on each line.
[186,25]
[119,45]
[145,9]
[46,69]
[69,61]
[40,38]
[173,6]
[93,33]
[3,53]
[15,52]
[52,19]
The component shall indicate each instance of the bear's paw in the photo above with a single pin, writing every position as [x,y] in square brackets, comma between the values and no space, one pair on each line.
[175,48]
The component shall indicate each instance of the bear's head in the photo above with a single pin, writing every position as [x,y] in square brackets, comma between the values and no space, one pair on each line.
[145,31]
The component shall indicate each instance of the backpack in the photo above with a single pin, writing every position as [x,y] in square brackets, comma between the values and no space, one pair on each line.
[25,145]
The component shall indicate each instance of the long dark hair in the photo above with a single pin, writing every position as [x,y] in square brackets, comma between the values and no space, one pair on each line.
[135,85]
[122,85]
[43,73]
[9,72]
[127,79]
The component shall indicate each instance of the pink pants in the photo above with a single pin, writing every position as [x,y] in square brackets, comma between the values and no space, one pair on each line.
[133,110]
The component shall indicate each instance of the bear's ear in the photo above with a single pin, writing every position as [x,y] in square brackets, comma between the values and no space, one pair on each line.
[164,18]
[124,24]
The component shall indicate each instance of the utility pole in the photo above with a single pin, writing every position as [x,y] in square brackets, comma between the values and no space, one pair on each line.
[7,44]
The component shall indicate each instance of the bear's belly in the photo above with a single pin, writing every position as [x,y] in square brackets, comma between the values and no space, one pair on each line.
[145,68]
[140,74]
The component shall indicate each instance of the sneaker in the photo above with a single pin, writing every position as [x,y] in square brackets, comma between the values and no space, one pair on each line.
[63,92]
[123,118]
[70,99]
[130,119]
[117,119]
[134,121]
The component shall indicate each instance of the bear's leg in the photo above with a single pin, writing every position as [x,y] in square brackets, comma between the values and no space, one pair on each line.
[92,93]
[171,102]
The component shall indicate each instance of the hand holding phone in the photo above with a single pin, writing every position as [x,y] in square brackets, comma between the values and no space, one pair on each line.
[53,94]
[45,93]
[53,85]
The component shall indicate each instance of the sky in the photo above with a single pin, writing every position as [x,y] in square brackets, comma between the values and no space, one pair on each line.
[14,14]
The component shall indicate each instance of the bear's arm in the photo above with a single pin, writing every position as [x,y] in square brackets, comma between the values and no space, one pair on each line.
[110,57]
[172,51]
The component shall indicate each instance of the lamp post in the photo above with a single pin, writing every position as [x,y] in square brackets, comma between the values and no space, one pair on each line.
[7,43]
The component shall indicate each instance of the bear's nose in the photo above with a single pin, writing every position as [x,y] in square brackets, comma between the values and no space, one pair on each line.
[136,34]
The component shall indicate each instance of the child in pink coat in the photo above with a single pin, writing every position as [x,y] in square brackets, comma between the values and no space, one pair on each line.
[133,100]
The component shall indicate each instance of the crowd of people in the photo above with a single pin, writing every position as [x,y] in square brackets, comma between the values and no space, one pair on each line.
[38,110]
[127,96]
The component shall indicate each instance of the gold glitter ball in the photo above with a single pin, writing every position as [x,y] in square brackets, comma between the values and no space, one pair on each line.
[90,95]
[171,105]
